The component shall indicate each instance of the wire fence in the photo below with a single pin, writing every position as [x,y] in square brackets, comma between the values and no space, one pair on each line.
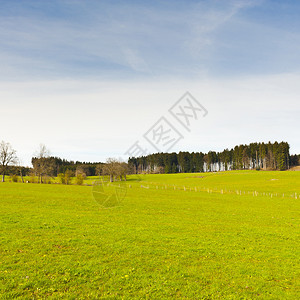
[209,190]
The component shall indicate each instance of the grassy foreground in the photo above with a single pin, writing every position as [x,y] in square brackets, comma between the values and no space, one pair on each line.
[232,235]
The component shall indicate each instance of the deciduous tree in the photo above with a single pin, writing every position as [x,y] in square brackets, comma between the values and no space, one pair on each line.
[8,157]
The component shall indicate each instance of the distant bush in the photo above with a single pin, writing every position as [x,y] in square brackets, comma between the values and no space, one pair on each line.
[61,178]
[14,178]
[79,179]
[68,178]
[65,178]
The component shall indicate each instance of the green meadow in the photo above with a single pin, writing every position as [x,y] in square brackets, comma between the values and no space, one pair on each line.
[227,235]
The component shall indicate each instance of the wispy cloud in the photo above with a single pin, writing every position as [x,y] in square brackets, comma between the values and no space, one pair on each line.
[96,38]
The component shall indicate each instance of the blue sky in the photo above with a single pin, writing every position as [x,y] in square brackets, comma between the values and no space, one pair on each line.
[63,39]
[73,74]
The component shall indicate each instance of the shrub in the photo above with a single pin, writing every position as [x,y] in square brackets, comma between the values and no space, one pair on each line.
[61,178]
[79,179]
[68,175]
[14,178]
[65,178]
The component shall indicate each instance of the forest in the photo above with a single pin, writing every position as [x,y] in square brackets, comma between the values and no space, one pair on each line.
[259,156]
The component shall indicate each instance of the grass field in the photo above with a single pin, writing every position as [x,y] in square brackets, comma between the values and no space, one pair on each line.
[231,235]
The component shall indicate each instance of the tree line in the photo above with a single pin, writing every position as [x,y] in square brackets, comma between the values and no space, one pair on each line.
[46,167]
[265,156]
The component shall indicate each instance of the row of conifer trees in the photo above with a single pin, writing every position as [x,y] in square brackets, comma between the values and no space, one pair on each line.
[266,156]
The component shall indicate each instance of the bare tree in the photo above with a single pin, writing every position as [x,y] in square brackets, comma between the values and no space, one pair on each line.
[83,170]
[99,169]
[114,169]
[8,157]
[42,164]
[111,168]
[123,170]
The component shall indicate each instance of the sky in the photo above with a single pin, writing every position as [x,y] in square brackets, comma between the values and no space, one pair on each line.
[90,78]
